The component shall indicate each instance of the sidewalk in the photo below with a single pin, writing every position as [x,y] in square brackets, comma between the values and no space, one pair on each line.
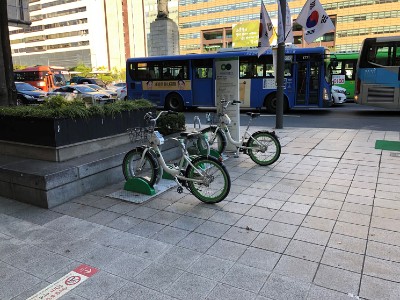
[321,223]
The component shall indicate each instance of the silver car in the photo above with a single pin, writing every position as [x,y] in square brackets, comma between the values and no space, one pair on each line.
[84,92]
[103,90]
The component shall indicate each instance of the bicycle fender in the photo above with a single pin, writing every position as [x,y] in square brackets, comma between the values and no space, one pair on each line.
[266,131]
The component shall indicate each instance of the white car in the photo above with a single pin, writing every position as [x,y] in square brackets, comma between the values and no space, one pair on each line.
[338,95]
[115,86]
[121,93]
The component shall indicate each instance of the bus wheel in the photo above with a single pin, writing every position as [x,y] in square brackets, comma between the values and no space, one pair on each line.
[174,102]
[270,104]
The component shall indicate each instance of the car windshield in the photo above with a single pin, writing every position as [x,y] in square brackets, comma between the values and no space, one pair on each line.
[95,86]
[24,87]
[84,89]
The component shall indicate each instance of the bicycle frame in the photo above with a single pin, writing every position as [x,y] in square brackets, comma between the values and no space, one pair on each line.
[239,144]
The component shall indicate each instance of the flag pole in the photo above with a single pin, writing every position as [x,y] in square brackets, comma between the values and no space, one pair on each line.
[280,80]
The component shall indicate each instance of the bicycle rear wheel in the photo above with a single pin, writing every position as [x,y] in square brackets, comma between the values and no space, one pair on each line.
[147,169]
[265,148]
[216,138]
[215,180]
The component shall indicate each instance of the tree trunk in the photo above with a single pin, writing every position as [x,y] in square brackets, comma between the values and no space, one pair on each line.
[8,93]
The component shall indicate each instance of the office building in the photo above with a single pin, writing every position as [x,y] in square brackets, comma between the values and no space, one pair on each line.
[206,25]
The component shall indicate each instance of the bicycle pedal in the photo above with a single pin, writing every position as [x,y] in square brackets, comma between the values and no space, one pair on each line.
[179,190]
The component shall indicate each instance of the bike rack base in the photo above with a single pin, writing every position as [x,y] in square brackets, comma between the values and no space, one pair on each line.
[139,185]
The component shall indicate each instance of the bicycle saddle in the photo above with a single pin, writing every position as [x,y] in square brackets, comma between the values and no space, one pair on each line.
[253,115]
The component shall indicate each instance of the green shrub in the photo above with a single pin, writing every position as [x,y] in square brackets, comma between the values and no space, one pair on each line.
[58,107]
[170,123]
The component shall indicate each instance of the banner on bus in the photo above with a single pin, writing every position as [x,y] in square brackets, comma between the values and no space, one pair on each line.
[166,85]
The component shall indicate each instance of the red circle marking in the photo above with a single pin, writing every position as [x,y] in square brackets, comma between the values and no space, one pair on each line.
[72,280]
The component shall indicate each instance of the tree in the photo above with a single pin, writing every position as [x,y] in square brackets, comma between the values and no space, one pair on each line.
[8,93]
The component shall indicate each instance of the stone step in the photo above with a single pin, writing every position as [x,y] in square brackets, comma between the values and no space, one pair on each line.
[47,183]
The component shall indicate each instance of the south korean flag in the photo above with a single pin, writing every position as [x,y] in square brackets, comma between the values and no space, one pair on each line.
[315,21]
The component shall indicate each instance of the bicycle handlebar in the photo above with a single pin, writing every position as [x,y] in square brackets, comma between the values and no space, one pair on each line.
[149,116]
[232,102]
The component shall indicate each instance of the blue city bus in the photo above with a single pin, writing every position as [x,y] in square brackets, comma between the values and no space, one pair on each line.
[378,73]
[183,81]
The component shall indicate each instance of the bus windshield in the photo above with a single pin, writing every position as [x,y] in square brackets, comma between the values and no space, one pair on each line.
[179,81]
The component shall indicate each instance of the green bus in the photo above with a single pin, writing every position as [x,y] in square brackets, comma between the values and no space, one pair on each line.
[344,74]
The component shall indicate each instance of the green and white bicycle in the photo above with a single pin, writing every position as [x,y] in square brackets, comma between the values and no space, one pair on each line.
[203,175]
[262,146]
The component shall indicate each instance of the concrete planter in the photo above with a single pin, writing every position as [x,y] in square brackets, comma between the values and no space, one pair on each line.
[64,138]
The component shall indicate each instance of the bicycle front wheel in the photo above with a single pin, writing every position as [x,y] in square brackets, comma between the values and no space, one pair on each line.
[216,138]
[133,166]
[213,182]
[265,148]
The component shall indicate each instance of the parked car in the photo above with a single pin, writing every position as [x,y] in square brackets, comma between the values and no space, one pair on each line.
[84,80]
[82,91]
[103,90]
[116,86]
[121,93]
[338,95]
[28,94]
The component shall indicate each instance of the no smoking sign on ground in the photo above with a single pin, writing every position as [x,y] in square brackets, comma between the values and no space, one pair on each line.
[65,284]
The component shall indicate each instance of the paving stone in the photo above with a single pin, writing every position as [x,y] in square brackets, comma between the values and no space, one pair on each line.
[103,217]
[312,236]
[347,243]
[271,242]
[281,229]
[227,292]
[337,279]
[259,258]
[382,269]
[201,212]
[318,223]
[297,268]
[318,293]
[247,278]
[383,251]
[288,217]
[240,235]
[225,217]
[36,215]
[179,257]
[227,250]
[158,277]
[197,242]
[305,250]
[170,235]
[285,288]
[146,229]
[211,267]
[376,288]
[343,259]
[187,223]
[191,286]
[139,292]
[124,223]
[213,229]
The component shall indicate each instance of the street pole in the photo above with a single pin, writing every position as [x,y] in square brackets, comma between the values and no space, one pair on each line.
[280,70]
[8,94]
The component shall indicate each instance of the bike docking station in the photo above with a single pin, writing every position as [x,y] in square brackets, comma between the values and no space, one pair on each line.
[138,190]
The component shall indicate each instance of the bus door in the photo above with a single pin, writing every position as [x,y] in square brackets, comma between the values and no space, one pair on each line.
[307,83]
[202,82]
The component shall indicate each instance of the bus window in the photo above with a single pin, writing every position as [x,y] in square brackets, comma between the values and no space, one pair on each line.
[175,70]
[203,68]
[349,67]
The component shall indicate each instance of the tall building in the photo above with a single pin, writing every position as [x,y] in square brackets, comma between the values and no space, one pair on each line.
[66,33]
[206,25]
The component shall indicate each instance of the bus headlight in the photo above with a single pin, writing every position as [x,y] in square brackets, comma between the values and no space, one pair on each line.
[41,83]
[356,98]
[325,95]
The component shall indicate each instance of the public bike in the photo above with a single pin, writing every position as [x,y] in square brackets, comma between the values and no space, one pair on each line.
[262,146]
[202,174]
